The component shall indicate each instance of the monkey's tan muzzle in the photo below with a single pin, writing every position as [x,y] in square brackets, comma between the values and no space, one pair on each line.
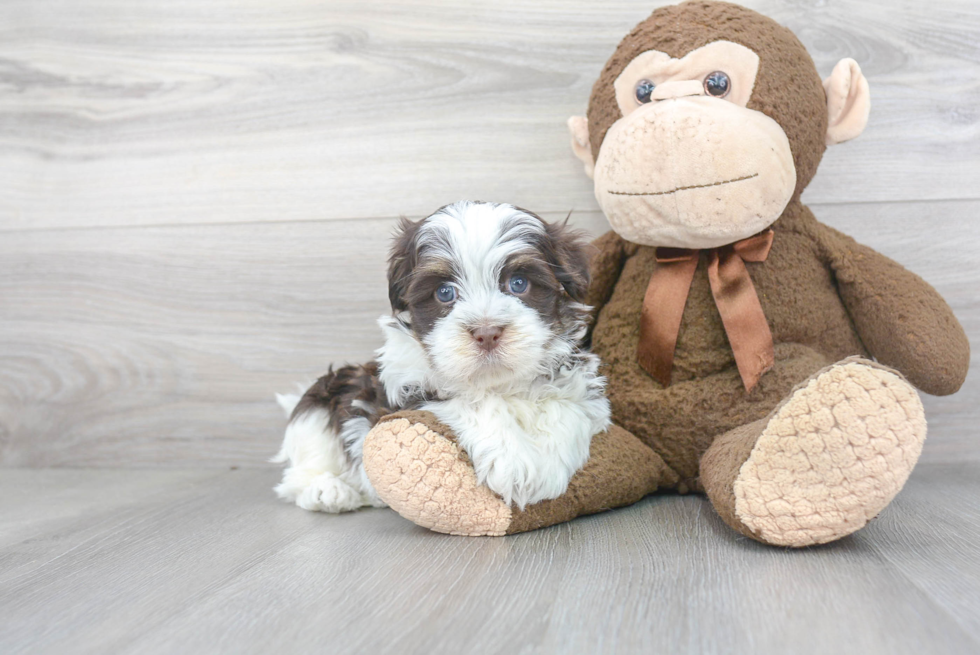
[693,172]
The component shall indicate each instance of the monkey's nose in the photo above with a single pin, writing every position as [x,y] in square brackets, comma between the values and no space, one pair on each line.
[487,336]
[677,89]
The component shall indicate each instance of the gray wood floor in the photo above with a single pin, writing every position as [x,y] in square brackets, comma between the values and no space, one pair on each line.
[194,201]
[206,561]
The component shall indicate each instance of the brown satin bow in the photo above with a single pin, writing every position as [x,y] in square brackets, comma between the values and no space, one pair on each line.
[736,299]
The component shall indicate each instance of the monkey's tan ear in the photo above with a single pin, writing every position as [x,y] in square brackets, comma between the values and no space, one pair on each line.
[578,126]
[848,102]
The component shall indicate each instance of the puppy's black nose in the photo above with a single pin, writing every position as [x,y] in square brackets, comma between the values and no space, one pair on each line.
[487,336]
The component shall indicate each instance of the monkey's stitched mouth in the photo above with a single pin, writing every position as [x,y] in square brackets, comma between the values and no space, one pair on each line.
[682,188]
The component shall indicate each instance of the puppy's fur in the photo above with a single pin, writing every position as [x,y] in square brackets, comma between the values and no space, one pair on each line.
[500,362]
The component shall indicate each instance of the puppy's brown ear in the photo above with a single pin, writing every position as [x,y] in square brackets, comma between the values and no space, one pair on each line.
[401,262]
[567,250]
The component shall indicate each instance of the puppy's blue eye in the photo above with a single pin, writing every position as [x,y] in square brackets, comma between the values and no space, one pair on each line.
[518,284]
[446,293]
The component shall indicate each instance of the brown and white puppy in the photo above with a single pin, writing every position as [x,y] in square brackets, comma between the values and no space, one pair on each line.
[485,333]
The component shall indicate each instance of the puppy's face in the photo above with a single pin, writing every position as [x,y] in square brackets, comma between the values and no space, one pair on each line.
[492,292]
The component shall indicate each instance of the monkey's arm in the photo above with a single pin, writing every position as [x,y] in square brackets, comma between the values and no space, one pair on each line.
[610,252]
[902,320]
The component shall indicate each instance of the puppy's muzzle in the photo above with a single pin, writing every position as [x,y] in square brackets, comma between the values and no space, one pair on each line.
[487,337]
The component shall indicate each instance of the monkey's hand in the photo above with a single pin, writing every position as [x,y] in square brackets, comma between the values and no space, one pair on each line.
[418,469]
[901,319]
[609,254]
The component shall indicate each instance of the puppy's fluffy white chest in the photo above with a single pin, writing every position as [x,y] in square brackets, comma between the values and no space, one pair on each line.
[526,447]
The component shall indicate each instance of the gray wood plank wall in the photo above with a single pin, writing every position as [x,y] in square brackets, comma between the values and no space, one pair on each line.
[195,197]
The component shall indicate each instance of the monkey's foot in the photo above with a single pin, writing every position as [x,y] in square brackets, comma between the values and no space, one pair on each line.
[825,462]
[417,468]
[428,479]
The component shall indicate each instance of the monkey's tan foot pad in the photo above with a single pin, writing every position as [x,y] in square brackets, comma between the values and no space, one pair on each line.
[429,480]
[832,456]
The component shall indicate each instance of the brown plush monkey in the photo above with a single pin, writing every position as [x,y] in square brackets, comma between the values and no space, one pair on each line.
[752,353]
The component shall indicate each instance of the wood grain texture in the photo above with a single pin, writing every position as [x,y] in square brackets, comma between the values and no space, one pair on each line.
[163,346]
[207,139]
[194,199]
[123,112]
[211,562]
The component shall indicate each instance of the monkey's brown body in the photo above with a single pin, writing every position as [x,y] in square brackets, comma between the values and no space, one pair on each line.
[800,292]
[826,437]
[706,397]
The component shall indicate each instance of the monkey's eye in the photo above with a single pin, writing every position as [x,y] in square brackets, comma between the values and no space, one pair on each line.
[717,84]
[446,293]
[644,89]
[518,285]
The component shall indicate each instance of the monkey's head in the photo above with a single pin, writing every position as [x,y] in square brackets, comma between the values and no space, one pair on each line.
[707,121]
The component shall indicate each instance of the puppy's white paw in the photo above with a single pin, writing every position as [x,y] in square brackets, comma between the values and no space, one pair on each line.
[328,493]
